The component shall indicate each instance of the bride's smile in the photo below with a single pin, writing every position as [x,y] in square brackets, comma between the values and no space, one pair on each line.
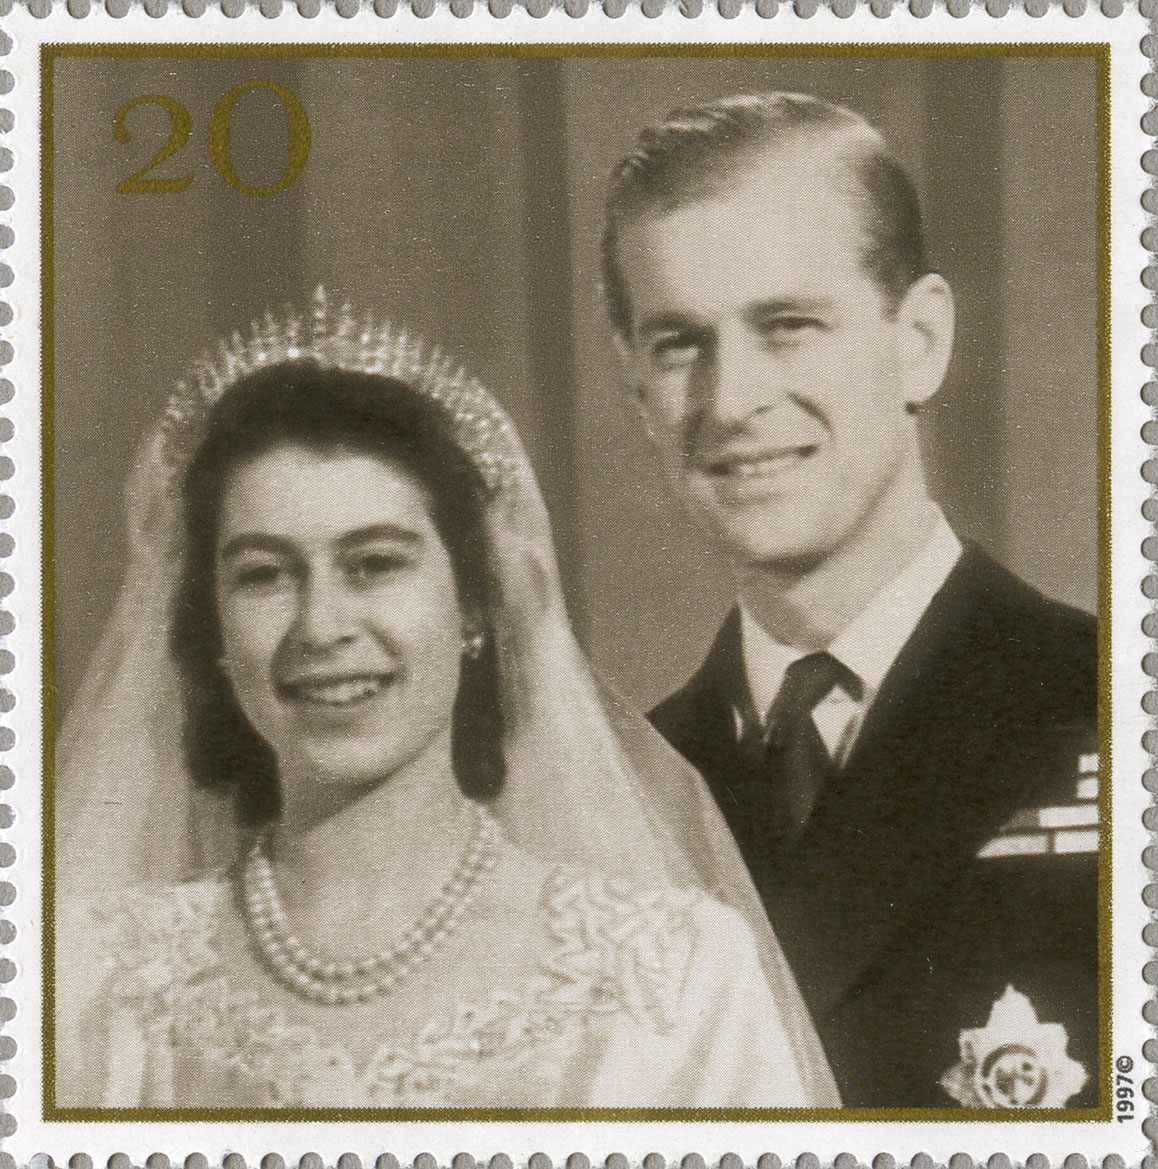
[341,626]
[336,690]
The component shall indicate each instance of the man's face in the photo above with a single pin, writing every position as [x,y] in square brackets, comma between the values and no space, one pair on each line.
[767,363]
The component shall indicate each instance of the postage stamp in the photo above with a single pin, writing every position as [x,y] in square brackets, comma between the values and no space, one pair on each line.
[575,584]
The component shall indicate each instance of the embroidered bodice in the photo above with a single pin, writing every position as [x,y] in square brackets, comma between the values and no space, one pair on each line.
[569,990]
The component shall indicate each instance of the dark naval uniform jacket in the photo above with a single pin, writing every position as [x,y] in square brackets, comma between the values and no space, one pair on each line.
[952,858]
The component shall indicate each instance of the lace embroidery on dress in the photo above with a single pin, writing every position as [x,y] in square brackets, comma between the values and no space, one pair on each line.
[616,948]
[151,944]
[620,947]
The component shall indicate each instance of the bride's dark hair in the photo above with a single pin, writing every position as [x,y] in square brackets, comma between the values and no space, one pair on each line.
[325,409]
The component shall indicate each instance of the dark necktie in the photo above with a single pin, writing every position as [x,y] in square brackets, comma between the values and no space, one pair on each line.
[767,794]
[795,756]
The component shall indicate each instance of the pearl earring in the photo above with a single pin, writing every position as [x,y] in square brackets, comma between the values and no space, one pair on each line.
[472,646]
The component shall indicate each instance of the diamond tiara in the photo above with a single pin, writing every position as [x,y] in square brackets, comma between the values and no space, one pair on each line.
[342,340]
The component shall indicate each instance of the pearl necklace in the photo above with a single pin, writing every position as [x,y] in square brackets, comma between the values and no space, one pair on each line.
[333,983]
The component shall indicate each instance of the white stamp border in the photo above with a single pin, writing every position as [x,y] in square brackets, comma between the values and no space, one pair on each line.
[634,1139]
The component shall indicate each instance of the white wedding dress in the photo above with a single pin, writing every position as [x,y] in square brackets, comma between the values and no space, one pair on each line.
[562,990]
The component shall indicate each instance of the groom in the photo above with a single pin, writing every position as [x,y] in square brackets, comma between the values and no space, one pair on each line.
[899,732]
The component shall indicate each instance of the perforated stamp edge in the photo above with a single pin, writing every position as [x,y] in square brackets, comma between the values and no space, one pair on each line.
[1133,548]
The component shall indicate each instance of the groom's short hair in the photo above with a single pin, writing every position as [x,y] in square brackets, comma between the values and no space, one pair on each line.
[697,150]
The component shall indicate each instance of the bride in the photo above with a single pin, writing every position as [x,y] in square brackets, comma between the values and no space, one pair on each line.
[370,833]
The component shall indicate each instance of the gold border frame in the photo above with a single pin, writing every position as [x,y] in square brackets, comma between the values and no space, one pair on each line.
[1103,1111]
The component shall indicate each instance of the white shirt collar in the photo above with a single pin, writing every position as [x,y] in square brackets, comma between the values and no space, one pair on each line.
[869,645]
[874,639]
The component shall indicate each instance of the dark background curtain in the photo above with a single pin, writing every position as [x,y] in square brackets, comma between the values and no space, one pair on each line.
[461,195]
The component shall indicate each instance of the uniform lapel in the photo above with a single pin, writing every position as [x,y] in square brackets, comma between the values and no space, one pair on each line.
[918,797]
[699,720]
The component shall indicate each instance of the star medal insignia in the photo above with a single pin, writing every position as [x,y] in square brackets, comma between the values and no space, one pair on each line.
[1014,1061]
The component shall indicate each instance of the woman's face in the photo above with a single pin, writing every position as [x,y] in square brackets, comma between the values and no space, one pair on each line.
[340,622]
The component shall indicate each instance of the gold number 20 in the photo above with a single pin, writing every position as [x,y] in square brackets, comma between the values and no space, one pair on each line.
[180,126]
[220,153]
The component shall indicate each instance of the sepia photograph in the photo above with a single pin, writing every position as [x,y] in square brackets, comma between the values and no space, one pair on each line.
[579,580]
